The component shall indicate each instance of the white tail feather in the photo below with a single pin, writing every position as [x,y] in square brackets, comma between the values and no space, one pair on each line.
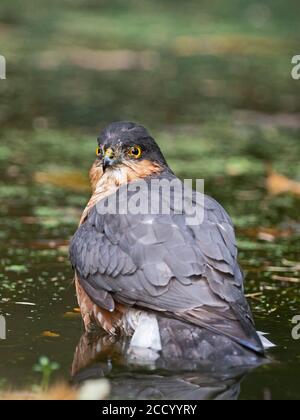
[265,342]
[147,334]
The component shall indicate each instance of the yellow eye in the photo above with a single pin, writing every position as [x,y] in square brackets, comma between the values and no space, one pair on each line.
[135,152]
[98,151]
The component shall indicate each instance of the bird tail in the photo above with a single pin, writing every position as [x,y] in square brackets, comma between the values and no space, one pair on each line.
[265,342]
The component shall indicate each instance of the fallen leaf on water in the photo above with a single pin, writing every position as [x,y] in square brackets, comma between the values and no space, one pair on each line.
[71,315]
[279,184]
[50,334]
[71,180]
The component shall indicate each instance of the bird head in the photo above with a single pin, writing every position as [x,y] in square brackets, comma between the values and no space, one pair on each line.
[122,143]
[127,151]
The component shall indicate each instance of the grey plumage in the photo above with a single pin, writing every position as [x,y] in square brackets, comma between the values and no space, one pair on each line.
[160,263]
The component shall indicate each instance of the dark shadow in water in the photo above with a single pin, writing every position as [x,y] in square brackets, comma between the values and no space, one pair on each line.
[156,377]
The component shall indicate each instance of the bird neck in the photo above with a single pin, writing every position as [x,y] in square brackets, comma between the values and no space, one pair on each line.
[107,183]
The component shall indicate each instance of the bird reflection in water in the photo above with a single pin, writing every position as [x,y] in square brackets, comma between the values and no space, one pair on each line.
[162,376]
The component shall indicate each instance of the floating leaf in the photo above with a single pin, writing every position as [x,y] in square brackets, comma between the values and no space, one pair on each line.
[50,334]
[279,184]
[77,310]
[71,315]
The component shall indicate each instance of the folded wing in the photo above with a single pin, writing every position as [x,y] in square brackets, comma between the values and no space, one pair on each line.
[161,263]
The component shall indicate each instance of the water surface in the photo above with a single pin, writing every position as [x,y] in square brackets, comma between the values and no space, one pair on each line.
[43,190]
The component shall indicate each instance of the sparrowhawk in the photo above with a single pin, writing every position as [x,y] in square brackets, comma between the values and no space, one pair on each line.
[148,274]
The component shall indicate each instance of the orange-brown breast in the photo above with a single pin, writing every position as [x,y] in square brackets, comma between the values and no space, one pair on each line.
[103,185]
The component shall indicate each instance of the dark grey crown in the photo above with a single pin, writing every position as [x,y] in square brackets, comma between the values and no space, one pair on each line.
[130,134]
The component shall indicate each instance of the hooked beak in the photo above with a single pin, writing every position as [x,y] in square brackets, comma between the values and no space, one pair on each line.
[107,162]
[109,159]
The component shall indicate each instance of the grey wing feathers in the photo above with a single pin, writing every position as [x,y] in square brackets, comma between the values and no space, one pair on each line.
[161,263]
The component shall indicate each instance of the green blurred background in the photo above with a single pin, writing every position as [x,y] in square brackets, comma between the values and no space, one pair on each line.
[210,79]
[83,63]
